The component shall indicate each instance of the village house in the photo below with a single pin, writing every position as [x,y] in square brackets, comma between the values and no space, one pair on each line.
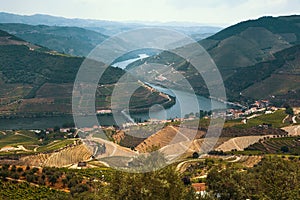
[199,188]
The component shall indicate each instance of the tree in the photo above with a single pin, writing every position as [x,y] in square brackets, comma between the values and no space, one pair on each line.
[272,178]
[161,184]
[186,180]
[289,110]
[56,129]
[284,149]
[34,170]
[195,155]
[19,169]
[30,178]
[13,168]
[64,181]
[5,167]
[15,176]
[79,189]
[4,174]
[52,179]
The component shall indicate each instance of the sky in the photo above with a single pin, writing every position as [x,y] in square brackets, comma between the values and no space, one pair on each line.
[213,12]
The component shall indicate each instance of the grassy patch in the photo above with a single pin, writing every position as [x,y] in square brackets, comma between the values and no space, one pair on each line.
[15,140]
[275,119]
[55,145]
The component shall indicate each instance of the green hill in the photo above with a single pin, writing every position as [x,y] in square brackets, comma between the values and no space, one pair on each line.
[35,81]
[256,58]
[68,40]
[253,41]
[271,79]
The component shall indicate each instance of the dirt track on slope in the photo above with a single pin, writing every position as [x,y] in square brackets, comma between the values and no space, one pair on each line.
[292,130]
[239,143]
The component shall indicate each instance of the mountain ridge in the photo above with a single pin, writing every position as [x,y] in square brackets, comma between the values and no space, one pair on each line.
[103,26]
[69,40]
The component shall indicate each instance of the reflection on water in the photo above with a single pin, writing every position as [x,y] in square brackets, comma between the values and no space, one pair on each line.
[185,104]
[45,122]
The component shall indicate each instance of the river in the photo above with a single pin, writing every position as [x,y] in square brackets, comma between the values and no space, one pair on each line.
[185,104]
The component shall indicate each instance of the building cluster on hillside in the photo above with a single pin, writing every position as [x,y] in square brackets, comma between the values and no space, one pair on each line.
[150,122]
[260,106]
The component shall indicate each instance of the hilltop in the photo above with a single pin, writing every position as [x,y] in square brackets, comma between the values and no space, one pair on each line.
[69,40]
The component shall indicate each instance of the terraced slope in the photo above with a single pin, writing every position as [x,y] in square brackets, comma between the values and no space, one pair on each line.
[168,136]
[290,145]
[62,158]
[292,130]
[239,143]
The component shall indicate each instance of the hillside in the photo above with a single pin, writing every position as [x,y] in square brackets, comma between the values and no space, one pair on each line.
[278,78]
[259,58]
[36,81]
[252,41]
[68,40]
[283,145]
[256,58]
[62,158]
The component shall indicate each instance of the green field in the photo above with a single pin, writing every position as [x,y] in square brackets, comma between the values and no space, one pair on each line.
[275,119]
[31,142]
[55,145]
[18,138]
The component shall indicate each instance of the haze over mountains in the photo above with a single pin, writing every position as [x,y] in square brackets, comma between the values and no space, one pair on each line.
[199,31]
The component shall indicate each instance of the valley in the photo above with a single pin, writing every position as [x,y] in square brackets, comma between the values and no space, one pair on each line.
[160,134]
[38,88]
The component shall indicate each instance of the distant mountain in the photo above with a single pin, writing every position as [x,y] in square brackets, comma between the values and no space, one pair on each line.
[106,27]
[69,40]
[40,19]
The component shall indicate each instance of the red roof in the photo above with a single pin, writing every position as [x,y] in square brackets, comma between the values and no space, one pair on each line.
[199,187]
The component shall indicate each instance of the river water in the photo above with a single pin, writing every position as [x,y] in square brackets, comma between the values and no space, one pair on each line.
[185,104]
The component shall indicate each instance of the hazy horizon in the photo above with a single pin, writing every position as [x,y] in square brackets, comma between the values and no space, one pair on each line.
[214,12]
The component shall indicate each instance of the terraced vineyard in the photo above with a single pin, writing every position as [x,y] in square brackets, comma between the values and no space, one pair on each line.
[238,143]
[62,158]
[29,142]
[289,145]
